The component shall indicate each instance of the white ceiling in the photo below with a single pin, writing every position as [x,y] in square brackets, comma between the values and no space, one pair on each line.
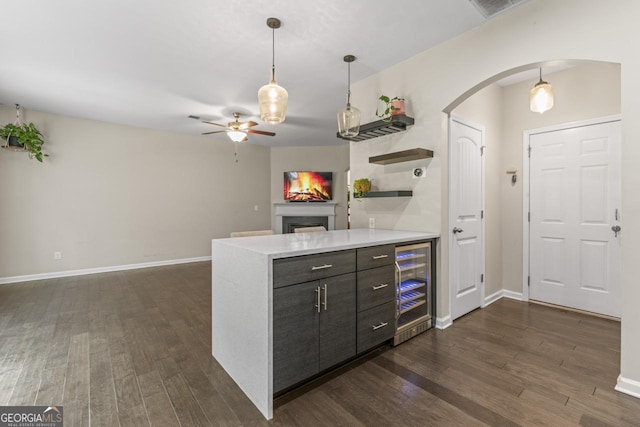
[153,63]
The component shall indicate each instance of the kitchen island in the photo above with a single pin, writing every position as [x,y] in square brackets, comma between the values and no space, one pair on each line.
[243,288]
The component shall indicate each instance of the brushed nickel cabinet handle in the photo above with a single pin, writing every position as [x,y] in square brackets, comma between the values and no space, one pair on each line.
[379,256]
[326,288]
[318,299]
[380,286]
[381,325]
[321,267]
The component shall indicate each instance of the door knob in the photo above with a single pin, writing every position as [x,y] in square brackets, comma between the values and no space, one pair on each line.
[457,230]
[616,229]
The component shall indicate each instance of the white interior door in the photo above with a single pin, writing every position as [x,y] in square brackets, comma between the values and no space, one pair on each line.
[575,193]
[466,256]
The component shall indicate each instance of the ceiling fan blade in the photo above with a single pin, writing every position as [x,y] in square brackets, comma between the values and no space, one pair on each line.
[211,123]
[247,125]
[215,131]
[260,132]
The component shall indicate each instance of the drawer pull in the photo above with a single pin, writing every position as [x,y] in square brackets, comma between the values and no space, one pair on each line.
[379,256]
[321,267]
[381,325]
[380,286]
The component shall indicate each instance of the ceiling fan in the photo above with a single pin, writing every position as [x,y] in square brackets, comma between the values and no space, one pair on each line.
[237,131]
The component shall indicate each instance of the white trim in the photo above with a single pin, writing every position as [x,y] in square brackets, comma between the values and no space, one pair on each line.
[502,293]
[492,298]
[628,386]
[481,129]
[69,273]
[526,135]
[443,322]
[513,295]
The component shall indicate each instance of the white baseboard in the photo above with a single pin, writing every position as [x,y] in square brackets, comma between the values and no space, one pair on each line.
[69,273]
[503,293]
[628,386]
[443,322]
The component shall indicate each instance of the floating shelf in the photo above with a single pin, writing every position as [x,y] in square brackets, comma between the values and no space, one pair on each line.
[392,193]
[402,156]
[378,128]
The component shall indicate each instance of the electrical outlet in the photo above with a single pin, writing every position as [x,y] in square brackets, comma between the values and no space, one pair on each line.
[57,255]
[372,223]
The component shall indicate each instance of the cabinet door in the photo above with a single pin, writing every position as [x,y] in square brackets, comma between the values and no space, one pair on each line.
[337,320]
[295,334]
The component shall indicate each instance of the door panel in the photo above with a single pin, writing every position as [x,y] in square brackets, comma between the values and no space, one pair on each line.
[337,320]
[465,203]
[574,201]
[295,334]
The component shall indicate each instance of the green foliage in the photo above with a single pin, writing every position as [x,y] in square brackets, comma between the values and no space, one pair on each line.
[386,114]
[361,186]
[28,135]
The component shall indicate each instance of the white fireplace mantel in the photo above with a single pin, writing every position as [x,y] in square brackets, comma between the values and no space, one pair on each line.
[327,209]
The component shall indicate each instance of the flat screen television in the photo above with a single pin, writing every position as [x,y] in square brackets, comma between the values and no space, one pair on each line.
[302,186]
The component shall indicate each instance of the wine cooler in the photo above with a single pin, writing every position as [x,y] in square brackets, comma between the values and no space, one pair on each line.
[414,293]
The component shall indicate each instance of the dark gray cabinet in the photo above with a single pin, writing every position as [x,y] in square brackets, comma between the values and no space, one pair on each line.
[376,296]
[314,323]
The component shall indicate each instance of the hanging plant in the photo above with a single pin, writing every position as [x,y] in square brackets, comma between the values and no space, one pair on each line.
[25,135]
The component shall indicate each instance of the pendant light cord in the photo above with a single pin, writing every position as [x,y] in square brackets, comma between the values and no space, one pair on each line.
[273,49]
[348,84]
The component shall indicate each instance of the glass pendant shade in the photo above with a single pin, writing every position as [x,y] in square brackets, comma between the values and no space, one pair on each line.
[541,96]
[349,117]
[273,101]
[349,121]
[236,135]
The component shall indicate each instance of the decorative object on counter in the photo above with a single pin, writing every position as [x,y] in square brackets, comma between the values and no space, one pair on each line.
[393,107]
[272,97]
[541,96]
[361,186]
[23,137]
[349,117]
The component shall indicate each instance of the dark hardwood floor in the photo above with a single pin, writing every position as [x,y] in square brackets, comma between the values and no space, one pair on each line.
[133,348]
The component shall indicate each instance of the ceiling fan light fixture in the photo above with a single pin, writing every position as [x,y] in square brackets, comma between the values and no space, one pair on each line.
[349,116]
[272,97]
[236,135]
[541,96]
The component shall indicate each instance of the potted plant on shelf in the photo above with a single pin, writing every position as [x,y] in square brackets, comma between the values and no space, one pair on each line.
[361,187]
[25,136]
[393,107]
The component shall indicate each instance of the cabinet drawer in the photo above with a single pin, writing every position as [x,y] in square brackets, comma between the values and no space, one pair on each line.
[376,286]
[375,326]
[289,271]
[376,256]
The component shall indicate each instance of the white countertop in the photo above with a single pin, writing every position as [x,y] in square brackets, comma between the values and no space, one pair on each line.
[294,244]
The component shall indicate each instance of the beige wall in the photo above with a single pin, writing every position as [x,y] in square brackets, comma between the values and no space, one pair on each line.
[537,31]
[319,159]
[485,109]
[111,195]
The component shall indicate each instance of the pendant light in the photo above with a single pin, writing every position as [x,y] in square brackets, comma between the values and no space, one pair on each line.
[271,97]
[349,117]
[541,96]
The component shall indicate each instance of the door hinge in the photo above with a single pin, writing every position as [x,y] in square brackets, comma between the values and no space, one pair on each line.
[529,150]
[482,214]
[482,150]
[528,216]
[482,278]
[528,280]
